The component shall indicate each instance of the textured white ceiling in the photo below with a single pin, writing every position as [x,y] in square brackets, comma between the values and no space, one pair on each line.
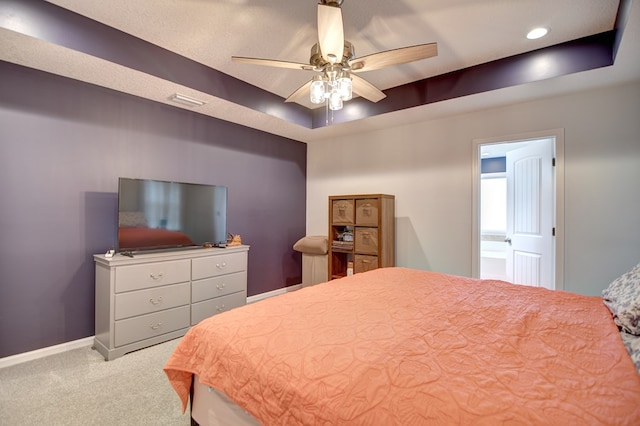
[468,32]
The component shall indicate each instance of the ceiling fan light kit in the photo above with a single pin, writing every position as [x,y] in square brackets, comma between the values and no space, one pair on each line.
[335,89]
[333,58]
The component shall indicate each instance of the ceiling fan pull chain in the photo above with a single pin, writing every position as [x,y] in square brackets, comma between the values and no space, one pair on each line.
[326,112]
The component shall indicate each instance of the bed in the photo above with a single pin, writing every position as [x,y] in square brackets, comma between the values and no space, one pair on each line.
[397,346]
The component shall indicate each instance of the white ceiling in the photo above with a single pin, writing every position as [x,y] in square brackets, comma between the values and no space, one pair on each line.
[468,32]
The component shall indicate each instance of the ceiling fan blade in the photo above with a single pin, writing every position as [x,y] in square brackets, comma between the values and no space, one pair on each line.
[301,92]
[399,56]
[272,63]
[330,33]
[365,89]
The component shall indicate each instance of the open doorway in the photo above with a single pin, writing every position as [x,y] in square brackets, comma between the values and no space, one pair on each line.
[517,233]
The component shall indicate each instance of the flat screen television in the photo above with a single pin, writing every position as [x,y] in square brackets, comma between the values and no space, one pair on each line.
[159,215]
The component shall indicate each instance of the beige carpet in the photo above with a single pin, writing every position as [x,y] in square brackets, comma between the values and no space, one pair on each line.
[79,387]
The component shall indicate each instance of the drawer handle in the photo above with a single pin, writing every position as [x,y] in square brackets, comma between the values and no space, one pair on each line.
[156,276]
[156,326]
[366,261]
[221,266]
[220,308]
[155,301]
[220,287]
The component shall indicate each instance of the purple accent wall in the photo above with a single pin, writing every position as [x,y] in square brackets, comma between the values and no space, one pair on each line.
[624,9]
[63,145]
[575,56]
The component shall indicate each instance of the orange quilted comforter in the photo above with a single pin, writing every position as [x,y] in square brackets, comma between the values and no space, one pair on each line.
[397,346]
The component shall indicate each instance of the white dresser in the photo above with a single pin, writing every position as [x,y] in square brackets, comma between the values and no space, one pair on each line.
[155,297]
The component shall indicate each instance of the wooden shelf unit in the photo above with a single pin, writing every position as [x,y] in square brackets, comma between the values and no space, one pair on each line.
[361,232]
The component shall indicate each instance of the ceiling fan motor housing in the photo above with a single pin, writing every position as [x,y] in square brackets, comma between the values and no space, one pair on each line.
[317,61]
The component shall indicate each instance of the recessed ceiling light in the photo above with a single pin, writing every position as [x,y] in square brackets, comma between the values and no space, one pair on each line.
[537,33]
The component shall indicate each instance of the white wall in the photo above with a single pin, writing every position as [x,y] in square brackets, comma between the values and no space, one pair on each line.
[427,166]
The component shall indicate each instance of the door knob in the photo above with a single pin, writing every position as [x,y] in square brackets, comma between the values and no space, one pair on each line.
[507,240]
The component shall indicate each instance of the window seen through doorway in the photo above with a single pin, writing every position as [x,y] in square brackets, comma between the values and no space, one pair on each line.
[493,202]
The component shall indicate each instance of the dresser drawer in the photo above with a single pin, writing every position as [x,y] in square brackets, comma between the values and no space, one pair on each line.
[209,288]
[137,277]
[143,327]
[203,310]
[364,263]
[366,240]
[342,212]
[151,300]
[213,266]
[367,211]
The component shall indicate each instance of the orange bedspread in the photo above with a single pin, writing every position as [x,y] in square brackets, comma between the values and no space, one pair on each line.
[397,346]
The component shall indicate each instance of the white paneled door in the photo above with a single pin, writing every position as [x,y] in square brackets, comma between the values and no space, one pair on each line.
[530,215]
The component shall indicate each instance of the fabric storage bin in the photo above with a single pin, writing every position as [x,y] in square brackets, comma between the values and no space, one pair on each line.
[366,240]
[343,212]
[367,212]
[363,263]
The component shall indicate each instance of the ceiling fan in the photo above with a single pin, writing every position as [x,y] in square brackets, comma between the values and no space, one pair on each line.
[333,58]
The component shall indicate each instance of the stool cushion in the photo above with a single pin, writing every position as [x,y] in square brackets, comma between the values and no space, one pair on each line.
[313,244]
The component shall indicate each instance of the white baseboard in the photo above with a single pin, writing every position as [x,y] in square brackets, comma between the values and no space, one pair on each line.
[88,341]
[41,353]
[257,297]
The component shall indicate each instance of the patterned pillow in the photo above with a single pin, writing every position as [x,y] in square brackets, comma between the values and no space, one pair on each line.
[622,297]
[632,343]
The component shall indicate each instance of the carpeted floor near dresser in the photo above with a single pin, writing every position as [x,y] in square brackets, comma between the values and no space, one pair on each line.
[79,387]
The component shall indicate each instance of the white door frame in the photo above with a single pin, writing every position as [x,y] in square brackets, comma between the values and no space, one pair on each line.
[558,135]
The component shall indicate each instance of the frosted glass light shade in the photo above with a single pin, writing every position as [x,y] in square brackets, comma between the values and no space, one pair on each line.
[345,87]
[335,101]
[317,91]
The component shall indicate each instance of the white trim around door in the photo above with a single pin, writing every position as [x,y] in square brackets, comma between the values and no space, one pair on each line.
[558,136]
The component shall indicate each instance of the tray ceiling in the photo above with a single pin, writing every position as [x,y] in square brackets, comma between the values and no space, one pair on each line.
[468,33]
